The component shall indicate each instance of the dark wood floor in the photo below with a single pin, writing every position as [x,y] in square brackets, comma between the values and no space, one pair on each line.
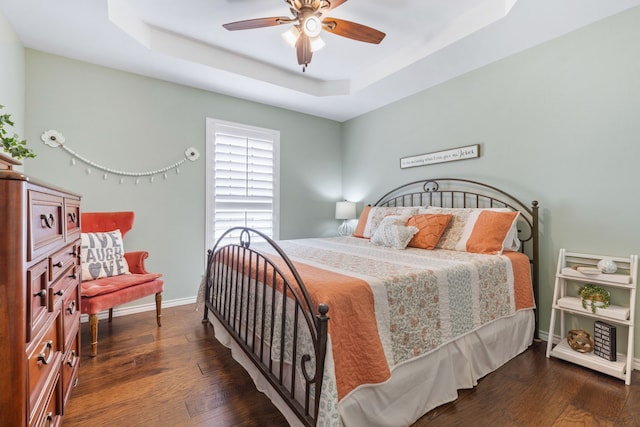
[179,375]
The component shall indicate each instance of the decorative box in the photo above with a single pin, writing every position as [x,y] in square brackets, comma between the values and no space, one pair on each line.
[604,337]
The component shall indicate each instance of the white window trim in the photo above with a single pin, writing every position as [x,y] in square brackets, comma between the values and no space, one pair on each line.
[211,126]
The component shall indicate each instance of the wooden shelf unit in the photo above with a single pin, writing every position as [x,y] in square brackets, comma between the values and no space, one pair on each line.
[625,279]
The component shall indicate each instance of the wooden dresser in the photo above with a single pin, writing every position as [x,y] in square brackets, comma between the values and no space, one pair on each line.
[39,300]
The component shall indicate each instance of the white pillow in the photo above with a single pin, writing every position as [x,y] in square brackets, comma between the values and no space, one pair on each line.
[378,213]
[393,233]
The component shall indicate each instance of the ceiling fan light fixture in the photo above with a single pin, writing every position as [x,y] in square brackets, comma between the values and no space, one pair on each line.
[312,26]
[317,43]
[291,36]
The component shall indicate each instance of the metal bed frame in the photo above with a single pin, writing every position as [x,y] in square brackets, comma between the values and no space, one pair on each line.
[243,287]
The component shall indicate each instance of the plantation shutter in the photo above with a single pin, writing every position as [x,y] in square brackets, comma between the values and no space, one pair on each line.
[244,178]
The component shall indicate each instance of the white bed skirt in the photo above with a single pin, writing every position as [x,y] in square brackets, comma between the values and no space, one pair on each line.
[419,385]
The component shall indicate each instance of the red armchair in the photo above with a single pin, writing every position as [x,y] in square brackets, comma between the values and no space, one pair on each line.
[108,292]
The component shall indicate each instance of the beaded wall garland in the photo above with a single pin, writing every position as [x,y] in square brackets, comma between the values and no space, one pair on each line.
[55,139]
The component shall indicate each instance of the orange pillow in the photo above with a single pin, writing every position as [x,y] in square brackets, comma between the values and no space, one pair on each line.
[430,228]
[362,222]
[489,232]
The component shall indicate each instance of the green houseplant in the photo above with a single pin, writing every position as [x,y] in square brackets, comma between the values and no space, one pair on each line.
[596,295]
[12,144]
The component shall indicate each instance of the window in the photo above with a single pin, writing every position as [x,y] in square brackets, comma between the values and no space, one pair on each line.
[242,179]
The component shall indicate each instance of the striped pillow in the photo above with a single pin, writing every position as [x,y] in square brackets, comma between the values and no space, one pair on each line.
[489,231]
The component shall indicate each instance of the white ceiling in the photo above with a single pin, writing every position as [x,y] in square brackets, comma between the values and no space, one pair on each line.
[183,41]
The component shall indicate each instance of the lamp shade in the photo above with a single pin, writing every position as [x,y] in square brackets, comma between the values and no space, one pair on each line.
[345,210]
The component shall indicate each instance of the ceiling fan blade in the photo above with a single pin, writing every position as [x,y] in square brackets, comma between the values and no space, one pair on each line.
[335,3]
[257,23]
[303,48]
[353,30]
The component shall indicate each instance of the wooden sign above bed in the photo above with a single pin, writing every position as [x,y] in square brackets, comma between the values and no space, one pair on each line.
[453,154]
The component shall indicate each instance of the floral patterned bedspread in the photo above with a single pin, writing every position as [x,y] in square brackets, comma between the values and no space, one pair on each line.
[422,298]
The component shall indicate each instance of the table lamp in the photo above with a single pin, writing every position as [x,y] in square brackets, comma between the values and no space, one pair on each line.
[345,211]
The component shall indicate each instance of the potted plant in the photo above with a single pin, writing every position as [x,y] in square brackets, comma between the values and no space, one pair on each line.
[595,295]
[12,144]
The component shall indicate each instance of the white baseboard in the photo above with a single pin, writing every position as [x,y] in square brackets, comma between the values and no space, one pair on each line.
[556,339]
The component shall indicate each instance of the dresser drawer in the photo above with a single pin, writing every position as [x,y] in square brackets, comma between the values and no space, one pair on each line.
[66,283]
[45,222]
[72,218]
[62,260]
[49,413]
[43,359]
[37,299]
[70,365]
[71,311]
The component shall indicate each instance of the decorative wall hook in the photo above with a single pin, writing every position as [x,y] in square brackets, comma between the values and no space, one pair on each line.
[55,139]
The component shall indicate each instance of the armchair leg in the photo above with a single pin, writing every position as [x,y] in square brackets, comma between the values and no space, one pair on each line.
[159,308]
[93,329]
[110,315]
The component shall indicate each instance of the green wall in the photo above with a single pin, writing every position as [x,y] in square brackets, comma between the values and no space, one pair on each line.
[134,123]
[558,123]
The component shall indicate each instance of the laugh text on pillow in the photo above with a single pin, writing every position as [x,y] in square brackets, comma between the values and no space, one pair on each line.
[102,255]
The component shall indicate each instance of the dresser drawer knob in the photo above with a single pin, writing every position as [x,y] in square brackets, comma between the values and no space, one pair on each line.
[72,307]
[73,217]
[59,293]
[46,349]
[48,221]
[71,361]
[41,293]
[58,264]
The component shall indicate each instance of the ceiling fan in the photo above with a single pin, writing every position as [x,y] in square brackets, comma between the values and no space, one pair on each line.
[309,19]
